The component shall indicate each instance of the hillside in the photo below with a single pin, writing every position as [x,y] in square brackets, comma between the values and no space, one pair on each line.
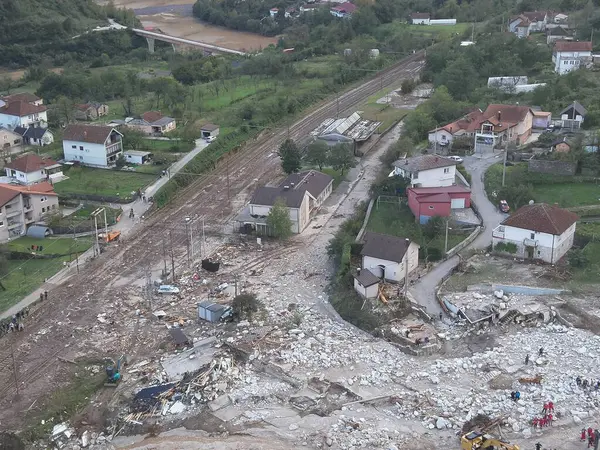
[35,31]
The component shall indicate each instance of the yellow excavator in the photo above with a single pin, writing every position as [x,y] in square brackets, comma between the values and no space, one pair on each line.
[479,441]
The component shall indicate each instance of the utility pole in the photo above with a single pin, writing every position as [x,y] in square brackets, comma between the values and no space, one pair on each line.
[75,241]
[227,168]
[446,240]
[203,239]
[504,163]
[192,241]
[172,256]
[164,258]
[187,237]
[14,364]
[149,289]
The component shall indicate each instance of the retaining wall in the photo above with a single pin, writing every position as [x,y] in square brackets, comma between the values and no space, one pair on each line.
[552,167]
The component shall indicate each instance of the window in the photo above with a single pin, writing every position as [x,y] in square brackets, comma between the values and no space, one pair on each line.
[42,199]
[532,235]
[81,147]
[73,146]
[53,206]
[43,210]
[1,223]
[501,229]
[443,137]
[446,170]
[430,206]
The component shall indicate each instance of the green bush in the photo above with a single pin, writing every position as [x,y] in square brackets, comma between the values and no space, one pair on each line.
[345,260]
[577,258]
[464,173]
[506,247]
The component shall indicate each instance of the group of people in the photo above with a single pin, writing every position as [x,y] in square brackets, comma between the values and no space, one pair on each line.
[585,383]
[592,436]
[540,353]
[548,416]
[515,395]
[15,323]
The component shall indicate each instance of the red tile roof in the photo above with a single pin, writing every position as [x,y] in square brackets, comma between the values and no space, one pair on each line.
[500,113]
[469,123]
[29,163]
[21,97]
[573,46]
[94,134]
[543,218]
[152,116]
[535,16]
[346,7]
[43,188]
[6,195]
[21,108]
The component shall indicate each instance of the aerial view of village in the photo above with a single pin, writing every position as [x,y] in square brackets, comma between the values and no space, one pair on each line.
[270,225]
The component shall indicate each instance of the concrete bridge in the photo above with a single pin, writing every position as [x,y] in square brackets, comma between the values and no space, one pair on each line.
[152,36]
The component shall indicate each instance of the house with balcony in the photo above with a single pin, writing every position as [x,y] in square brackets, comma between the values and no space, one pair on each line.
[22,206]
[427,170]
[467,125]
[303,194]
[571,55]
[539,231]
[22,114]
[31,168]
[92,145]
[503,123]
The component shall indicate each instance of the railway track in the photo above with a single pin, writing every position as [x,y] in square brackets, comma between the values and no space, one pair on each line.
[254,162]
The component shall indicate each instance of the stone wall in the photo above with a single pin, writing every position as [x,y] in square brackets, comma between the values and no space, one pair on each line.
[552,167]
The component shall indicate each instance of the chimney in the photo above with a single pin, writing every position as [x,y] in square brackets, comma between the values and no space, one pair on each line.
[499,115]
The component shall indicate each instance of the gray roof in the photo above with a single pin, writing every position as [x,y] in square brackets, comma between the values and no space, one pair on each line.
[424,162]
[137,153]
[578,108]
[209,127]
[383,246]
[313,181]
[163,121]
[267,196]
[38,231]
[366,278]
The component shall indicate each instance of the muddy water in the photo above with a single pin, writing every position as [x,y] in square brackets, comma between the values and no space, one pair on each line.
[173,18]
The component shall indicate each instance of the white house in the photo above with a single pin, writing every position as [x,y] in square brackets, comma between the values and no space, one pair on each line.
[303,193]
[389,257]
[137,156]
[420,18]
[35,135]
[22,114]
[571,55]
[366,283]
[427,170]
[31,168]
[92,145]
[539,231]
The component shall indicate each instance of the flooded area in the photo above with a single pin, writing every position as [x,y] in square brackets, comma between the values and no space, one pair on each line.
[174,17]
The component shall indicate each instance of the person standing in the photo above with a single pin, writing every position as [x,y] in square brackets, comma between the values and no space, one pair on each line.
[535,422]
[583,434]
[545,408]
[541,351]
[527,359]
[538,446]
[551,406]
[550,419]
[590,432]
[45,295]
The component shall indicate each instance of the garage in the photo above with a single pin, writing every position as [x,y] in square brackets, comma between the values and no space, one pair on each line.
[457,203]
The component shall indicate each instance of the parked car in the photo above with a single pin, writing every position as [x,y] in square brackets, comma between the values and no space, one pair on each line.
[209,139]
[167,289]
[503,206]
[458,159]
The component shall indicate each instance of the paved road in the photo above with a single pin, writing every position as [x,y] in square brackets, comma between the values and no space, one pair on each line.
[424,290]
[125,226]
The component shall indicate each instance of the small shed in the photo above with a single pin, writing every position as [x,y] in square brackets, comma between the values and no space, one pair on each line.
[210,311]
[366,283]
[38,231]
[137,156]
[209,129]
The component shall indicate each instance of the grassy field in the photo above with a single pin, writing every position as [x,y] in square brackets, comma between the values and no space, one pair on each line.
[320,66]
[336,174]
[589,273]
[385,114]
[399,221]
[85,180]
[439,31]
[52,246]
[573,194]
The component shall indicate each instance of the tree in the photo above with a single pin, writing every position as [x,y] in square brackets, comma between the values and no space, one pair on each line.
[65,109]
[120,162]
[341,158]
[4,266]
[279,221]
[408,86]
[132,138]
[434,227]
[290,156]
[6,84]
[577,258]
[244,306]
[317,153]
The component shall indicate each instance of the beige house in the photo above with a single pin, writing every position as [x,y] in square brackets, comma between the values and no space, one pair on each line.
[152,123]
[303,193]
[9,140]
[90,111]
[22,206]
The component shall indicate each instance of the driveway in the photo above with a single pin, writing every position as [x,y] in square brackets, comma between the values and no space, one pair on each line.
[424,290]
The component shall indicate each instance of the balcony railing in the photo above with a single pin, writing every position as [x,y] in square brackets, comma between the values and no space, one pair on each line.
[113,149]
[530,242]
[12,225]
[12,212]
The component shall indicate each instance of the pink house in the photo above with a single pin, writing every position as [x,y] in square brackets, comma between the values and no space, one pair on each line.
[428,202]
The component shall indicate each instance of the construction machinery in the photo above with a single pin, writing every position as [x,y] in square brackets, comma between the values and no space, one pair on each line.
[113,372]
[111,236]
[479,441]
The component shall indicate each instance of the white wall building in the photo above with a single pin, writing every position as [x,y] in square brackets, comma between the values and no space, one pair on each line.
[539,231]
[389,257]
[427,170]
[92,145]
[22,114]
[571,55]
[29,169]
